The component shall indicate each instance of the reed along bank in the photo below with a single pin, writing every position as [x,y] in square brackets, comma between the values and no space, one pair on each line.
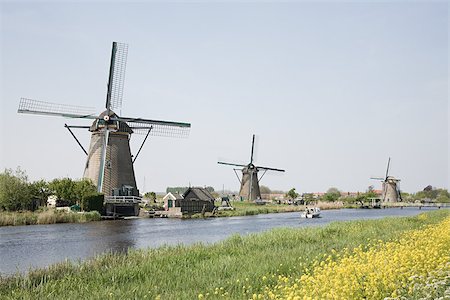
[269,265]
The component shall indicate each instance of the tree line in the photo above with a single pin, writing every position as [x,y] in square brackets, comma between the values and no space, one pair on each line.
[18,193]
[333,194]
[181,189]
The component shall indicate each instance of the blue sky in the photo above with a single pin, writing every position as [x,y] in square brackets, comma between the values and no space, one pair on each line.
[330,89]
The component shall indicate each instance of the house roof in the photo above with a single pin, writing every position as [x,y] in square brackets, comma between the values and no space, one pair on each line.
[199,193]
[174,196]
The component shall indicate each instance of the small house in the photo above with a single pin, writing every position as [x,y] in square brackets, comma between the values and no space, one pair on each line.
[170,200]
[194,200]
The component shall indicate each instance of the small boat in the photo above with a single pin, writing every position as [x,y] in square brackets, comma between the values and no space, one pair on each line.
[310,213]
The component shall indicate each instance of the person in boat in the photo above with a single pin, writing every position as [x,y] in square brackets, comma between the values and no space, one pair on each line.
[306,210]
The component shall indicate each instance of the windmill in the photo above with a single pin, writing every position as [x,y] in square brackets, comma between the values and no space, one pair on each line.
[250,182]
[109,161]
[390,186]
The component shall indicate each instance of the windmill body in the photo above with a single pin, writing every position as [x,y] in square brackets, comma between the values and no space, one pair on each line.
[250,184]
[391,190]
[249,189]
[118,173]
[390,187]
[109,163]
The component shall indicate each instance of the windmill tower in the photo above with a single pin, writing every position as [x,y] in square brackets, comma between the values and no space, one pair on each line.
[250,183]
[109,164]
[390,187]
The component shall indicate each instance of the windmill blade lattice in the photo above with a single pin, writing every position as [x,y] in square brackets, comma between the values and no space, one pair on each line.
[270,169]
[102,166]
[231,164]
[253,147]
[387,169]
[30,106]
[117,75]
[159,129]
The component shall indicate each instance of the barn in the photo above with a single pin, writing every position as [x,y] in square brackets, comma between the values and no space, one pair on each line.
[193,200]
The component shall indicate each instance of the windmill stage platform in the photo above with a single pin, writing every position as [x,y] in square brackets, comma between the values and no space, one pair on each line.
[122,206]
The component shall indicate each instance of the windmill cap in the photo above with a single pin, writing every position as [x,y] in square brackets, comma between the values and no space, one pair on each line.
[104,117]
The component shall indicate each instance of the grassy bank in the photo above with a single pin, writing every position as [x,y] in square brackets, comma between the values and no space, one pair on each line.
[416,266]
[50,216]
[237,267]
[245,208]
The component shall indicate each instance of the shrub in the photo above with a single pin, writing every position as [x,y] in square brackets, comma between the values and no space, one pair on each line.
[93,202]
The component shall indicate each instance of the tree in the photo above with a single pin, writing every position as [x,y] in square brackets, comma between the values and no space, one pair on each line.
[443,197]
[83,188]
[428,192]
[93,202]
[332,194]
[264,190]
[370,193]
[40,191]
[63,189]
[308,198]
[15,192]
[151,196]
[177,189]
[292,194]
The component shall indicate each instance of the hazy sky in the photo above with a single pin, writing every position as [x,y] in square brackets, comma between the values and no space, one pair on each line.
[330,89]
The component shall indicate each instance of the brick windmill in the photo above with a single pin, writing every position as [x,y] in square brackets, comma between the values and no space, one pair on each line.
[390,186]
[250,182]
[109,161]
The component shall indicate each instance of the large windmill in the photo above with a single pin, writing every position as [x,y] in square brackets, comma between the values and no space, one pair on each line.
[390,186]
[109,161]
[249,181]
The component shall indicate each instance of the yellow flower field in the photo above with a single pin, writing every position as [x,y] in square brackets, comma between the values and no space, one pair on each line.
[417,266]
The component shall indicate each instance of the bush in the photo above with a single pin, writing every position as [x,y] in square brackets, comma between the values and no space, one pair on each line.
[15,193]
[93,202]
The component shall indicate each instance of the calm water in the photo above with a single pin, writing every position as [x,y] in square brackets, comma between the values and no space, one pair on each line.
[25,247]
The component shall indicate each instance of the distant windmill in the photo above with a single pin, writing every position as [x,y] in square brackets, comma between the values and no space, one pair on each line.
[390,187]
[109,161]
[250,182]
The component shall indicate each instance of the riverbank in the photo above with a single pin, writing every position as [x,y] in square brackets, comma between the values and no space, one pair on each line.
[245,208]
[237,267]
[49,216]
[52,216]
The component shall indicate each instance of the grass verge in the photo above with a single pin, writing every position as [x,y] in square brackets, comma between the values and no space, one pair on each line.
[245,208]
[50,216]
[234,268]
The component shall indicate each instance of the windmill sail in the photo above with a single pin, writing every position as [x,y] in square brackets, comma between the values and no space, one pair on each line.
[253,147]
[390,186]
[109,161]
[250,182]
[270,169]
[101,173]
[119,54]
[36,107]
[231,164]
[159,128]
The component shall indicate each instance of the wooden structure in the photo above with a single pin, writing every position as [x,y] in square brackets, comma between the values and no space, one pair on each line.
[170,200]
[390,186]
[122,206]
[109,164]
[250,182]
[194,200]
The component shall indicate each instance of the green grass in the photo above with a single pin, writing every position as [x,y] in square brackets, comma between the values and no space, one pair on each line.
[245,208]
[182,272]
[49,216]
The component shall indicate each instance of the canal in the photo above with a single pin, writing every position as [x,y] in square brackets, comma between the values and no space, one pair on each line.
[25,247]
